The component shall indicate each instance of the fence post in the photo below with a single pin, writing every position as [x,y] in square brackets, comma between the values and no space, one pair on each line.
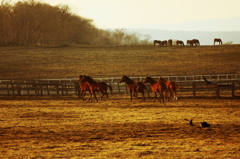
[217,92]
[233,88]
[194,89]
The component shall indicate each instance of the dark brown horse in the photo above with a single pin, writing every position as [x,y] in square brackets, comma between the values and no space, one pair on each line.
[134,87]
[84,87]
[96,87]
[218,40]
[157,42]
[172,87]
[179,42]
[157,87]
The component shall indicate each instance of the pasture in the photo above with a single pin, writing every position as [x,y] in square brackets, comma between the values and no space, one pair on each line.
[67,127]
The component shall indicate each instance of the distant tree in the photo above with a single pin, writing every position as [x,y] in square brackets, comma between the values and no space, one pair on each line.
[31,22]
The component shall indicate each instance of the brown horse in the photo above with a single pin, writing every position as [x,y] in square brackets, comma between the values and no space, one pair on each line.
[157,42]
[84,87]
[172,87]
[134,87]
[157,87]
[218,40]
[164,43]
[96,87]
[170,42]
[193,42]
[179,42]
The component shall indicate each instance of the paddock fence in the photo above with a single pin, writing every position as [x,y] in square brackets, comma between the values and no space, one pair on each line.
[226,85]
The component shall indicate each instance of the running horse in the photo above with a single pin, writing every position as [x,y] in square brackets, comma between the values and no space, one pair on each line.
[96,87]
[179,42]
[218,40]
[84,87]
[157,42]
[134,87]
[172,87]
[157,87]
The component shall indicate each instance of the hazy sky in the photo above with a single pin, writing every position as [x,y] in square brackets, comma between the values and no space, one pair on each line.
[127,13]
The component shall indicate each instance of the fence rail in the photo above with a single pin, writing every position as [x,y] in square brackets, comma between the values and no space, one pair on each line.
[191,84]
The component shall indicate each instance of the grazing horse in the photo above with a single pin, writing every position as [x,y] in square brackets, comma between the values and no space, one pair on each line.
[196,42]
[218,40]
[179,42]
[157,42]
[84,87]
[193,41]
[96,87]
[170,42]
[172,87]
[134,87]
[157,87]
[164,43]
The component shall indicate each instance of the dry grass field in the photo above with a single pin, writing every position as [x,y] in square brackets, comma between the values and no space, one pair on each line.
[67,127]
[69,62]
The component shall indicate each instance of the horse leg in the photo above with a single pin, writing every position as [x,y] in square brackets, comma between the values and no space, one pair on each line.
[166,95]
[83,93]
[131,94]
[103,93]
[143,96]
[136,94]
[175,95]
[161,96]
[95,96]
[90,98]
[155,96]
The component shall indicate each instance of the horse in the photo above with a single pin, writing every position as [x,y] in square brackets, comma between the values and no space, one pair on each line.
[157,87]
[172,87]
[157,42]
[164,43]
[84,87]
[218,40]
[134,87]
[96,87]
[179,42]
[193,41]
[196,42]
[170,42]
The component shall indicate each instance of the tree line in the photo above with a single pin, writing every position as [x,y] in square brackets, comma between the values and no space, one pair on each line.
[32,22]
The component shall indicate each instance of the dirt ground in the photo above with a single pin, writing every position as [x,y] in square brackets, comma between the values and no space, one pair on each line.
[117,128]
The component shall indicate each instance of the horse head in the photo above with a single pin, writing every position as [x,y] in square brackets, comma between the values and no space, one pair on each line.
[162,79]
[80,77]
[123,78]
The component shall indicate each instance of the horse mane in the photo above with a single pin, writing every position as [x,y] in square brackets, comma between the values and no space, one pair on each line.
[127,79]
[151,79]
[162,79]
[89,79]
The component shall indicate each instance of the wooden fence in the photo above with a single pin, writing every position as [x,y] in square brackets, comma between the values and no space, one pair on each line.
[192,85]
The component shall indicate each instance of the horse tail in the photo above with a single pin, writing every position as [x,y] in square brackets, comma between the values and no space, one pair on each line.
[110,87]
